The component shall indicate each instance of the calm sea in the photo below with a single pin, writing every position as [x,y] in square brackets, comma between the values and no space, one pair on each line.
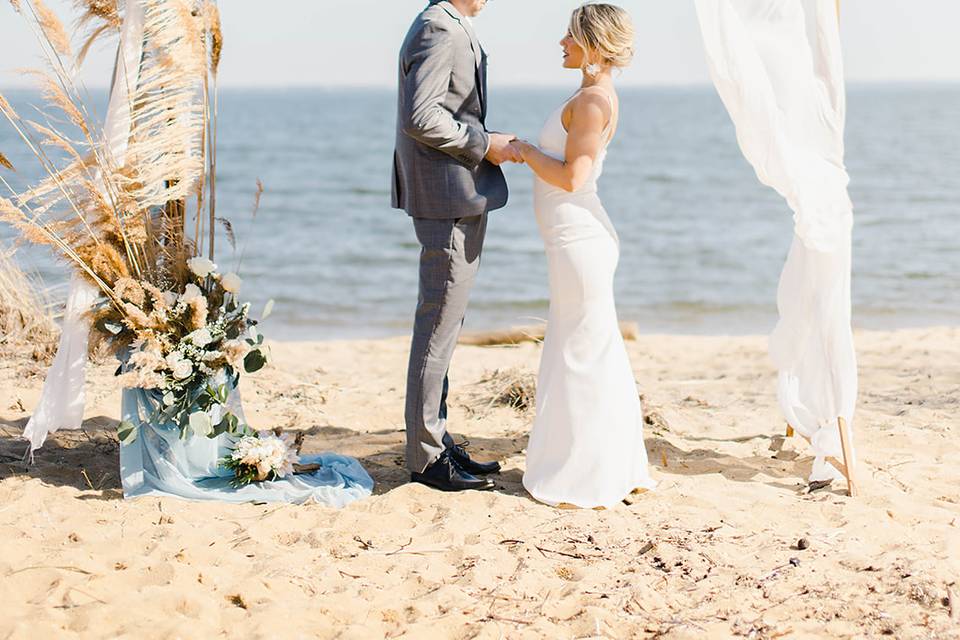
[702,242]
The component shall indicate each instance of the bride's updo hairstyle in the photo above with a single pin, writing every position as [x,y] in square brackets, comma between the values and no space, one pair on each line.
[605,33]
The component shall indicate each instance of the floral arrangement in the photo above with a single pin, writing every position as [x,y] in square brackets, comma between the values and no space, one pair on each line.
[186,348]
[260,457]
[139,223]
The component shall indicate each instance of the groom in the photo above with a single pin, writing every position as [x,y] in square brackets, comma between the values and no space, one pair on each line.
[446,177]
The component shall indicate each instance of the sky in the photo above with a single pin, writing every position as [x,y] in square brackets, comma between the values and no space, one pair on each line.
[355,42]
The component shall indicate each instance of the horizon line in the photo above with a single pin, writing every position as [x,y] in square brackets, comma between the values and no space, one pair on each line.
[511,85]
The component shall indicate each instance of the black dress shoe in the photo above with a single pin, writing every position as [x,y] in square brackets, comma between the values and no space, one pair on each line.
[462,458]
[446,475]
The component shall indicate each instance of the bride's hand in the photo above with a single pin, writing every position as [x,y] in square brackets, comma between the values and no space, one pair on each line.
[522,147]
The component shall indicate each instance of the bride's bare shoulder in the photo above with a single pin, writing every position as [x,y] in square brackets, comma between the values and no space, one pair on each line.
[591,104]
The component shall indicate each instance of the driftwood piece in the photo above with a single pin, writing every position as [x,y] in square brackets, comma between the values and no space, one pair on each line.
[535,333]
[301,469]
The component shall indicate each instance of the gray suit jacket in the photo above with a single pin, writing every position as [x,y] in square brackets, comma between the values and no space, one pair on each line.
[439,170]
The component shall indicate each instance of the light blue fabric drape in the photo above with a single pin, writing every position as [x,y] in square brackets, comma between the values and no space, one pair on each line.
[158,463]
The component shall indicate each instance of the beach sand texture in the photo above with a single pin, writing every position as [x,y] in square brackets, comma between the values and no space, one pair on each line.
[708,555]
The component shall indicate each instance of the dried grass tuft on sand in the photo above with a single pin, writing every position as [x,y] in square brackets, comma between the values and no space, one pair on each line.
[514,388]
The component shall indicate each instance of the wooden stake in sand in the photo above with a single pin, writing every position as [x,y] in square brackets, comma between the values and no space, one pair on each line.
[848,466]
[848,463]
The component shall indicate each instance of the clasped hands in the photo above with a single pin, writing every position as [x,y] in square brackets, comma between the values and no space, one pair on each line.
[504,147]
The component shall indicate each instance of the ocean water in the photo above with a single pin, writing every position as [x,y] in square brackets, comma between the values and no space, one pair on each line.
[702,242]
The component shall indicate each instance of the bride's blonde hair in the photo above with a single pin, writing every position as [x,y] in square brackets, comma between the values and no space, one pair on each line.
[604,30]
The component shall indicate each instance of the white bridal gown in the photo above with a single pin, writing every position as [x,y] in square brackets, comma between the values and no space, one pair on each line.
[586,448]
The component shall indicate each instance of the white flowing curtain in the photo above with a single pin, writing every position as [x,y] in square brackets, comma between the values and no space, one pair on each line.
[63,397]
[778,68]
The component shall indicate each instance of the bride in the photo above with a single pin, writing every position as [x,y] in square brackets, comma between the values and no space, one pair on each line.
[586,448]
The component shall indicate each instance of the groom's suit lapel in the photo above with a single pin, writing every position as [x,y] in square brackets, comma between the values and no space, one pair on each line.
[479,54]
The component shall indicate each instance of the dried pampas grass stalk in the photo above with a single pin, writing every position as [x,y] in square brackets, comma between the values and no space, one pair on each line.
[99,17]
[26,321]
[54,95]
[121,220]
[231,235]
[107,11]
[52,28]
[253,217]
[211,14]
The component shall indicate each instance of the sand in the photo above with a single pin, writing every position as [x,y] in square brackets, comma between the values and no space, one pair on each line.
[711,554]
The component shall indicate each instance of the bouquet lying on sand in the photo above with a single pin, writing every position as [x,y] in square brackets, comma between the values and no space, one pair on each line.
[136,217]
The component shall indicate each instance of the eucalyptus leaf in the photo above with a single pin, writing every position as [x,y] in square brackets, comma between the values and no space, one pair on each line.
[254,361]
[127,432]
[221,428]
[113,327]
[194,395]
[267,310]
[227,425]
[200,423]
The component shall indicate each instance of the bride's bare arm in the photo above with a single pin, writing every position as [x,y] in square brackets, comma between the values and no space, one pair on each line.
[589,114]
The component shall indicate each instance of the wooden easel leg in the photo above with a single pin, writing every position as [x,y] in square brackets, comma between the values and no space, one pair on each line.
[848,464]
[789,430]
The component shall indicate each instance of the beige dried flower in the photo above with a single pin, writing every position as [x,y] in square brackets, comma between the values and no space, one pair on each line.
[135,317]
[198,313]
[235,351]
[129,290]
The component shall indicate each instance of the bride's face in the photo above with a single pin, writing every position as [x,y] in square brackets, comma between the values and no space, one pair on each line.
[573,54]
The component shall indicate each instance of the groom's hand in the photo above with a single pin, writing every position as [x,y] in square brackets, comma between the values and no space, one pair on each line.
[501,150]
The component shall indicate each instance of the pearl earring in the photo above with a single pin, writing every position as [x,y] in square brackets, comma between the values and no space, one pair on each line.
[592,69]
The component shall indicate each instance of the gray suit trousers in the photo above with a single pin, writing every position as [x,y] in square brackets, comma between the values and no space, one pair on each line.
[449,260]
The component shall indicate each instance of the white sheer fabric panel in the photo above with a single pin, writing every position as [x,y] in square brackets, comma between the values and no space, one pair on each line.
[778,68]
[63,397]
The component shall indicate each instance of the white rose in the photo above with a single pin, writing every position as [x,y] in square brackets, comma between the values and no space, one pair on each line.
[183,370]
[169,298]
[201,267]
[190,293]
[200,337]
[231,282]
[179,366]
